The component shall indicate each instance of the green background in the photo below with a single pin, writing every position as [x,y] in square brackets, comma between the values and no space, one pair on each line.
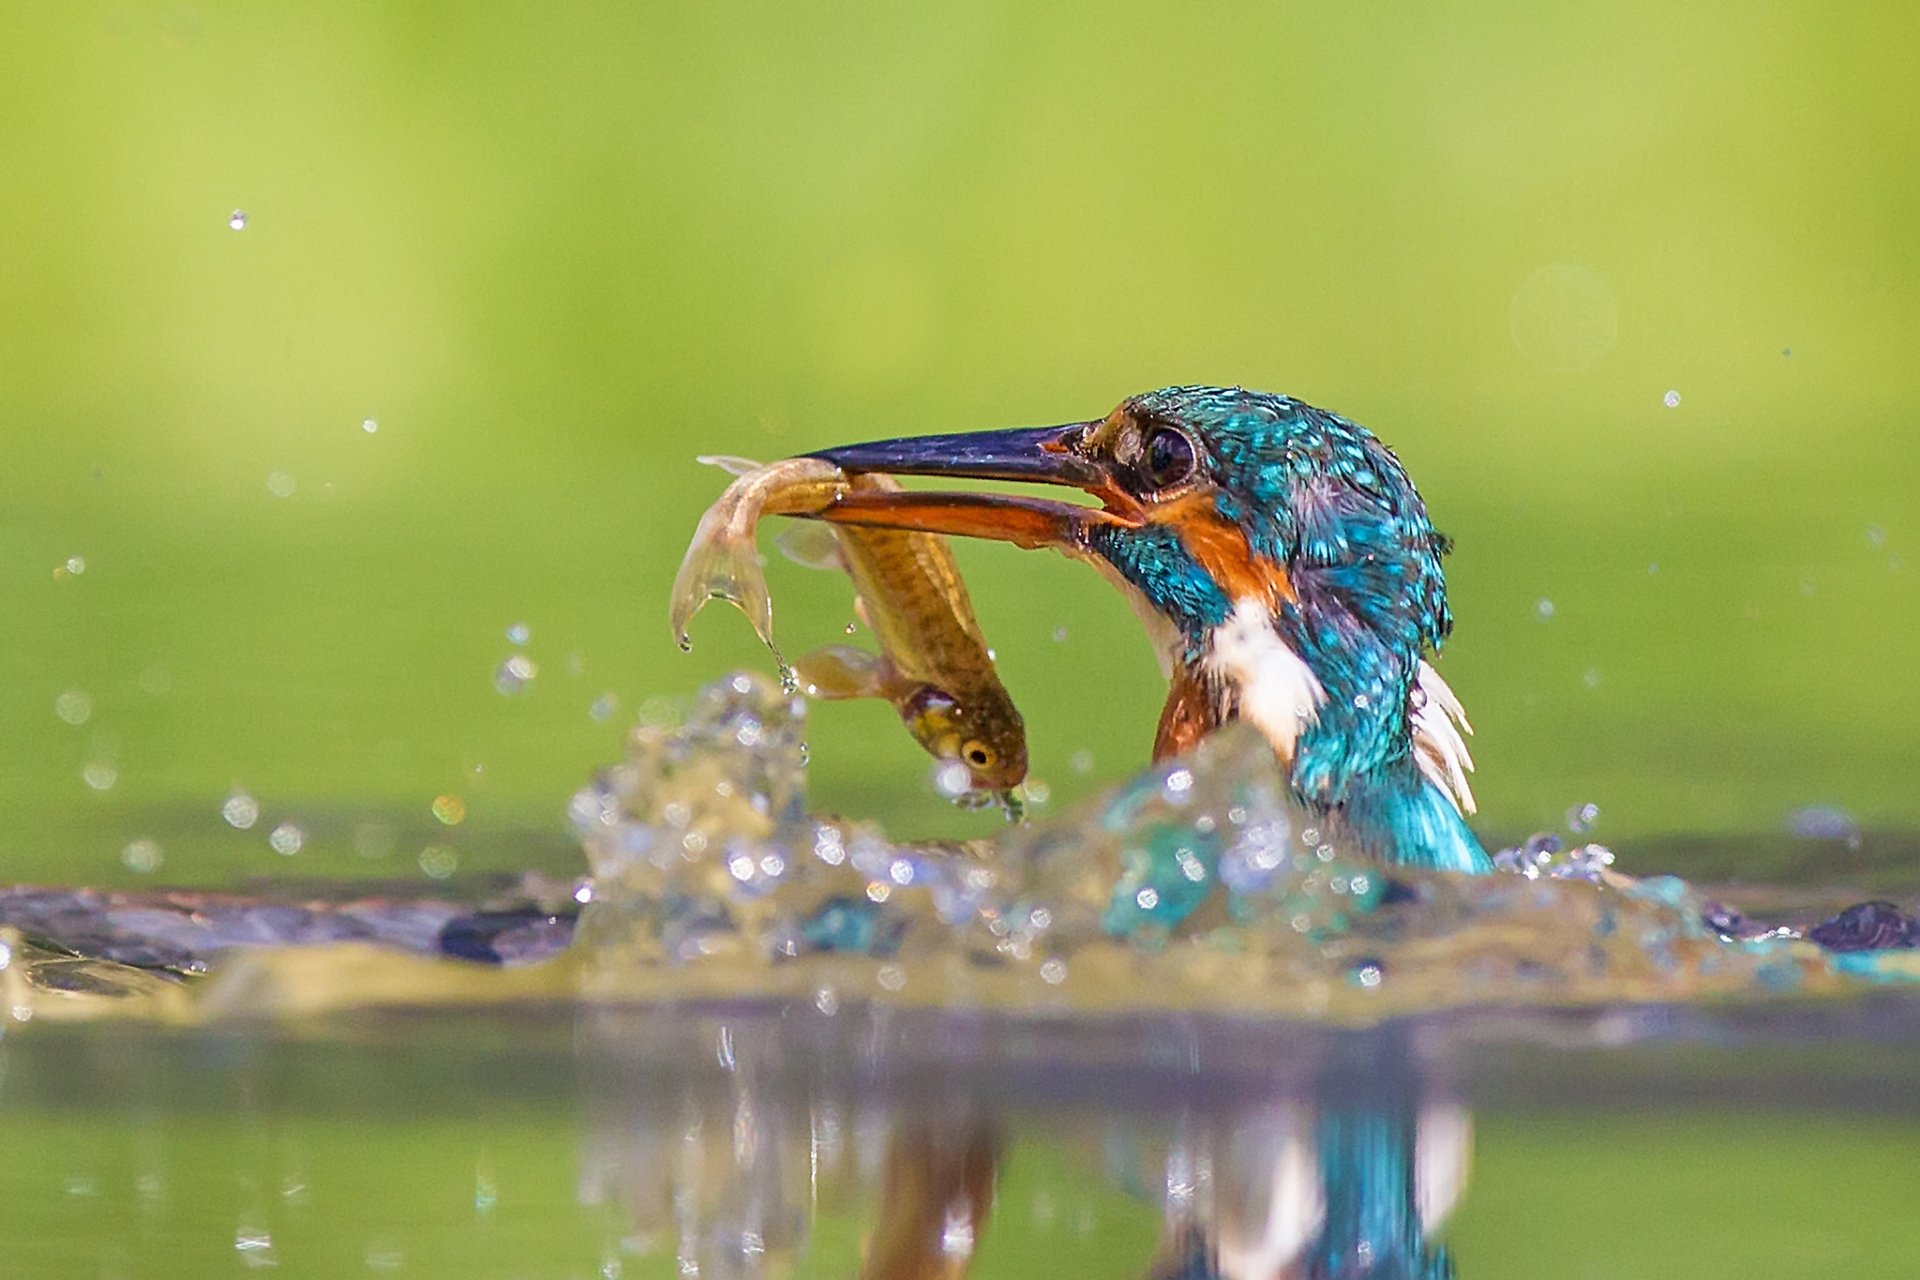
[555,251]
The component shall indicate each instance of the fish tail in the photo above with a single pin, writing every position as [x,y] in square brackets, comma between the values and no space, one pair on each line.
[720,565]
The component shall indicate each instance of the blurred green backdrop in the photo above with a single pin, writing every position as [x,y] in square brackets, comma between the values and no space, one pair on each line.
[553,252]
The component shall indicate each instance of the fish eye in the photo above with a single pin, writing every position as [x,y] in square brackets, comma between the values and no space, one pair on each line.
[1167,458]
[978,753]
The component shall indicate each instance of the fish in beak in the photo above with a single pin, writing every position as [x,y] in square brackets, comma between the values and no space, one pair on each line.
[1035,455]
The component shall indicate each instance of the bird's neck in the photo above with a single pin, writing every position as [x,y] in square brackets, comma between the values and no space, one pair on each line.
[1375,746]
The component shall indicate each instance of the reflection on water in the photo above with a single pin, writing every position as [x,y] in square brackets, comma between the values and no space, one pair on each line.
[772,1142]
[1342,1179]
[896,1152]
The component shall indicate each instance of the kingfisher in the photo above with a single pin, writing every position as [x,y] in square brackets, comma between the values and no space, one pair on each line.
[1285,568]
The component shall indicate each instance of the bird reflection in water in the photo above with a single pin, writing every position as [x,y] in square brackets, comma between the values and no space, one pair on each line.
[768,1176]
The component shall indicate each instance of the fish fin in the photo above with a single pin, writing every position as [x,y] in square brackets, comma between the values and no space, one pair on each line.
[837,671]
[810,544]
[720,567]
[727,462]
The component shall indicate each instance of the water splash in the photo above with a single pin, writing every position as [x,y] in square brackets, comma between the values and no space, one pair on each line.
[1197,884]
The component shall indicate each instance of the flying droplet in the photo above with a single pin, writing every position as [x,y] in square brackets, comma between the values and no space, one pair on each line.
[1059,634]
[951,779]
[241,811]
[519,633]
[237,220]
[439,861]
[1581,817]
[143,856]
[515,674]
[73,706]
[449,810]
[287,839]
[370,425]
[281,485]
[1544,609]
[603,707]
[1671,399]
[100,775]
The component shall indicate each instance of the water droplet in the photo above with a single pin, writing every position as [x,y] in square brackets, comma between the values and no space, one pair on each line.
[73,706]
[237,220]
[827,1001]
[1876,536]
[515,674]
[1147,899]
[1368,974]
[519,633]
[439,861]
[281,485]
[1053,972]
[287,839]
[1081,761]
[1591,677]
[1581,817]
[142,857]
[1059,634]
[370,425]
[1671,399]
[1653,568]
[241,811]
[1543,609]
[891,976]
[449,810]
[603,707]
[852,627]
[254,1245]
[951,779]
[100,775]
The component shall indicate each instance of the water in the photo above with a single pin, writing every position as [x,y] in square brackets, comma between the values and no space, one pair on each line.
[1172,1032]
[577,1142]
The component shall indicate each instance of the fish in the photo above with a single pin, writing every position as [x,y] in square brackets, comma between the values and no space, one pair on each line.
[933,664]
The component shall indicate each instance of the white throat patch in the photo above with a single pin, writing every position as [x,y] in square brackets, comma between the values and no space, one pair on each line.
[1279,694]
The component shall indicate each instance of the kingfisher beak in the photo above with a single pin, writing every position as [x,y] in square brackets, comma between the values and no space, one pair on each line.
[1035,455]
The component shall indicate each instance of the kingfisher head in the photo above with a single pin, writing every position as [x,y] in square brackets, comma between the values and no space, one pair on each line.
[1279,552]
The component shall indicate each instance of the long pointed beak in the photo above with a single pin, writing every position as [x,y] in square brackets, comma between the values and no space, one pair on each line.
[1035,455]
[1042,455]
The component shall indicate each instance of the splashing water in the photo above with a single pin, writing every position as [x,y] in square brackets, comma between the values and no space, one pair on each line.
[1197,884]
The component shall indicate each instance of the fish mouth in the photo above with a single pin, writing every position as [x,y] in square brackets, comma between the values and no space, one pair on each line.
[1032,455]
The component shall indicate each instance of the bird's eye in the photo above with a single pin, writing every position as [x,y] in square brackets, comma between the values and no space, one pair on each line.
[978,754]
[1168,458]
